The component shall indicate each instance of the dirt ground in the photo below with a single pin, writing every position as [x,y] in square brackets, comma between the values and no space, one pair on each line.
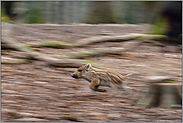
[36,92]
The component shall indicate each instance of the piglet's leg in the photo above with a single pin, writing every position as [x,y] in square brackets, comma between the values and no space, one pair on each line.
[95,84]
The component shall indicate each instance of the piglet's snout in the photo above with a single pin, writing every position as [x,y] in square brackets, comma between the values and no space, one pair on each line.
[74,75]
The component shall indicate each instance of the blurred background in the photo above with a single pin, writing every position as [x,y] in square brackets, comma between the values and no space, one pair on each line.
[166,15]
[43,43]
[61,12]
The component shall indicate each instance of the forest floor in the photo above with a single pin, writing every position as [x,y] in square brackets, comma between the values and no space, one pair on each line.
[36,92]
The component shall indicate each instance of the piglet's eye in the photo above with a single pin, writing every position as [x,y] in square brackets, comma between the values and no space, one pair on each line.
[80,70]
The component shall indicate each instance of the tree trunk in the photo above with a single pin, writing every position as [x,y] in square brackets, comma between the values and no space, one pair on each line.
[101,13]
[163,94]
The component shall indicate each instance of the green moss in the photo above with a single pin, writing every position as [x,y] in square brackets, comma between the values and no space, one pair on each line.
[152,41]
[142,37]
[23,61]
[16,62]
[161,36]
[52,45]
[57,44]
[155,37]
[4,18]
[171,81]
[161,27]
[138,36]
[26,48]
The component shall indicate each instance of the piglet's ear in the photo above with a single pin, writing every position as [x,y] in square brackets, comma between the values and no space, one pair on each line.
[88,67]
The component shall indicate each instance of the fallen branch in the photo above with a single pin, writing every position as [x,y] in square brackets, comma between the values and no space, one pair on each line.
[88,41]
[30,54]
[8,60]
[71,60]
[103,51]
[117,38]
[20,116]
[52,44]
